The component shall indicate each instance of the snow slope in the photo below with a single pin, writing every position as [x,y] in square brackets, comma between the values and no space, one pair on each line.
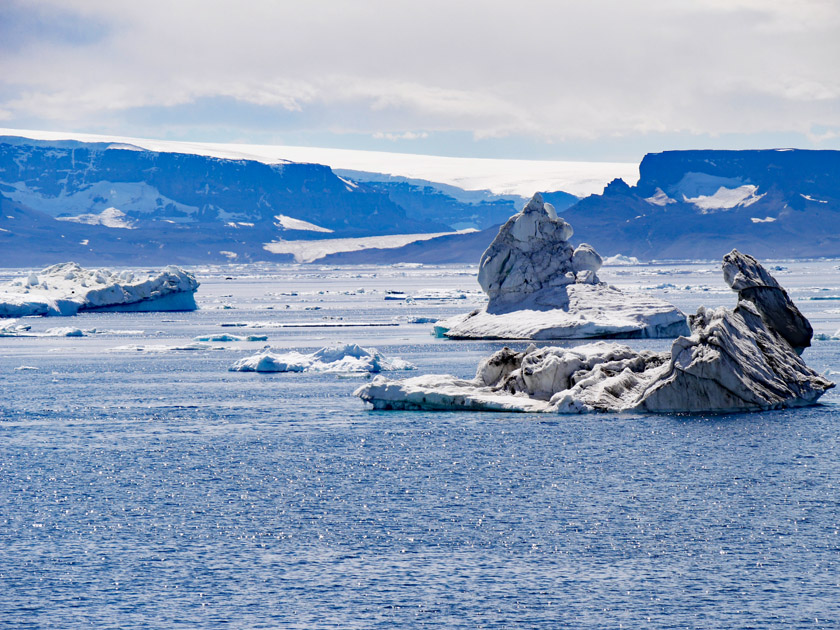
[516,177]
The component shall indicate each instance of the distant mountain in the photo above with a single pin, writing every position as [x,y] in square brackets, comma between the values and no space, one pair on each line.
[116,203]
[182,188]
[454,206]
[700,204]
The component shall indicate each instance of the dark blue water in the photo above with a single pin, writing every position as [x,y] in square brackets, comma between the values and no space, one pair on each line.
[158,490]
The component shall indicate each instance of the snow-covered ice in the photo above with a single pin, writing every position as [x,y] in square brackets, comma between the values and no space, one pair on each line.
[540,287]
[290,223]
[746,359]
[310,251]
[500,176]
[347,358]
[109,217]
[67,288]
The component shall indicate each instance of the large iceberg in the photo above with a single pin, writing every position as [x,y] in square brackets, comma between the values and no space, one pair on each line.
[347,358]
[67,288]
[746,359]
[540,287]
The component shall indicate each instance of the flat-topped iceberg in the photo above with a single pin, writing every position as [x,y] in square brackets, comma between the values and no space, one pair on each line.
[540,287]
[347,358]
[734,360]
[67,288]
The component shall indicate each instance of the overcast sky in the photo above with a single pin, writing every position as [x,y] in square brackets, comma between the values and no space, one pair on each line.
[594,79]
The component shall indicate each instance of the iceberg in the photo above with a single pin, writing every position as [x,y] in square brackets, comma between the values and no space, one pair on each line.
[540,287]
[746,359]
[67,288]
[347,358]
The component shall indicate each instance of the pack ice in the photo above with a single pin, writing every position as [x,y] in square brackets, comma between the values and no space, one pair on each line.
[746,359]
[347,358]
[67,288]
[540,287]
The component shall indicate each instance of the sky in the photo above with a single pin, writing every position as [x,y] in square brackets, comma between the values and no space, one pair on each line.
[585,80]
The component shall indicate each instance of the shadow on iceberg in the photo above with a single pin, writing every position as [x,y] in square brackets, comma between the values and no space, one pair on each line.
[746,359]
[540,287]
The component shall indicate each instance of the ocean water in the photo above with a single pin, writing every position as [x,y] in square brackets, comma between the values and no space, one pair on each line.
[146,486]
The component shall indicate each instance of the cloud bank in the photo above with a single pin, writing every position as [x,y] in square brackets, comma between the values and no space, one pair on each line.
[549,74]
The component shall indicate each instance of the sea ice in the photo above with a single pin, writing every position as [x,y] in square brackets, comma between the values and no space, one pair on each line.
[540,287]
[746,359]
[67,288]
[347,358]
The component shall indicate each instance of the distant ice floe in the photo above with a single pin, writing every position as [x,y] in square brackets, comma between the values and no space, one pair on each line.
[67,288]
[10,328]
[540,287]
[620,260]
[827,337]
[347,358]
[746,359]
[225,337]
[160,348]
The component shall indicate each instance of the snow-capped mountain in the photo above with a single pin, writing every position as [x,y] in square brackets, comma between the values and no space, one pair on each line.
[112,202]
[701,204]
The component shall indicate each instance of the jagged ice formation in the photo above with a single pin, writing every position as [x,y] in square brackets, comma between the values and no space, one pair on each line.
[540,287]
[734,360]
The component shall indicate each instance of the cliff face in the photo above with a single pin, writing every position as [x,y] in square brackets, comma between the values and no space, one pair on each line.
[182,188]
[701,204]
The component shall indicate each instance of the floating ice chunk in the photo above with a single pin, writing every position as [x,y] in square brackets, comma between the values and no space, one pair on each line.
[348,358]
[67,288]
[64,331]
[621,259]
[735,360]
[539,287]
[226,337]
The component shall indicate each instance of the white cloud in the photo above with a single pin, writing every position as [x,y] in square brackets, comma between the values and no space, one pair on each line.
[547,71]
[406,135]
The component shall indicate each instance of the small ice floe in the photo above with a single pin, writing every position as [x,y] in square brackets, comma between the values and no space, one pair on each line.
[11,329]
[154,348]
[827,337]
[64,331]
[620,260]
[227,338]
[347,358]
[67,288]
